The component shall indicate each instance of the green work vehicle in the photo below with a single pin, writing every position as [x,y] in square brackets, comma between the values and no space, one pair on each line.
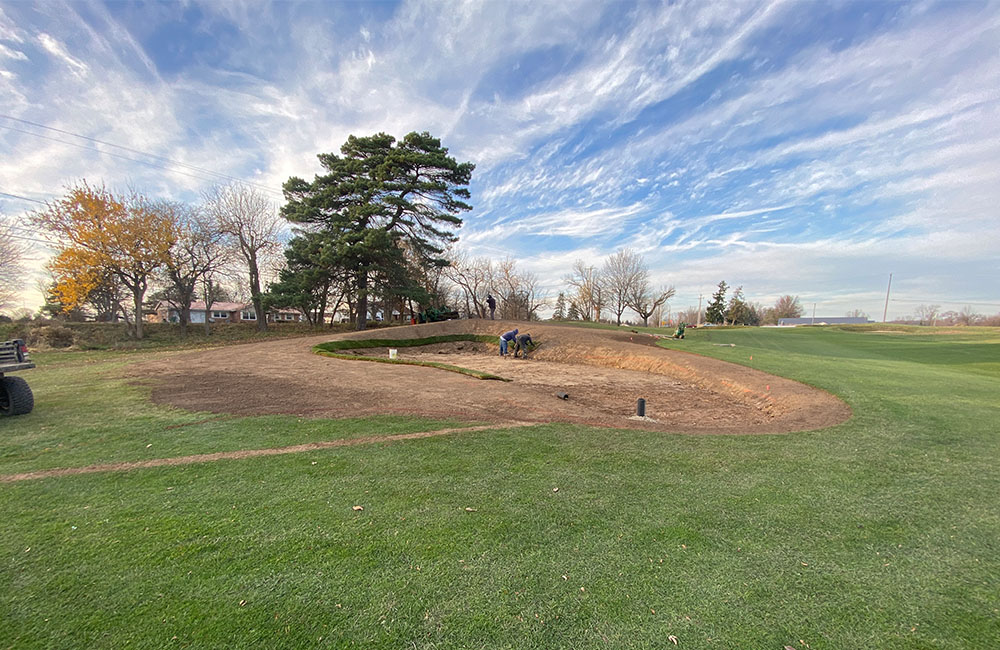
[15,395]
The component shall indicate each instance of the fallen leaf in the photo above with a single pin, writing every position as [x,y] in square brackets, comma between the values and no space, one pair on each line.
[788,647]
[555,489]
[565,577]
[673,638]
[471,510]
[149,445]
[358,508]
[242,603]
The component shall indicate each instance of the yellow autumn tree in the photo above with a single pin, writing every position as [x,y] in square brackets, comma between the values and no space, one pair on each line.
[97,233]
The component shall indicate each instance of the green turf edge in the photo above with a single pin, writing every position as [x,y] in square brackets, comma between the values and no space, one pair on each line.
[327,350]
[354,344]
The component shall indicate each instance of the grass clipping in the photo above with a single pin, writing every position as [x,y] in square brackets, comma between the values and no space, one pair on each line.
[335,350]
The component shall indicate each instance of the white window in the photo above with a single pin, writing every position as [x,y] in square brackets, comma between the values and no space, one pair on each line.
[248,315]
[220,315]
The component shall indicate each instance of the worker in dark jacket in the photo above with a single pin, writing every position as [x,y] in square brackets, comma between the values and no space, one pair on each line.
[492,304]
[505,338]
[524,345]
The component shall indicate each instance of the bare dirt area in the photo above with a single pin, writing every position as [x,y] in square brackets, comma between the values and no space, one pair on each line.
[603,373]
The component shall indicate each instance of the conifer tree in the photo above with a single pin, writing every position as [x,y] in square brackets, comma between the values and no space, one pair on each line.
[716,310]
[378,196]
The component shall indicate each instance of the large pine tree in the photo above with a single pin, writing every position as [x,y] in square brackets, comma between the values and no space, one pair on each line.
[378,195]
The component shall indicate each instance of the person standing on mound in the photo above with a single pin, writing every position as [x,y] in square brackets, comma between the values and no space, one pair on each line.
[506,338]
[492,304]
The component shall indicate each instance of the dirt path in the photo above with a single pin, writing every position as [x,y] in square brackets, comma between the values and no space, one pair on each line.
[245,453]
[603,372]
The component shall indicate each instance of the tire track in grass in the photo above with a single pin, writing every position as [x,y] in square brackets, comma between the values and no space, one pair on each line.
[248,453]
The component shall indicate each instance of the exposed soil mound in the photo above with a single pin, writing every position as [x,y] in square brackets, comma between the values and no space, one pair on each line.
[603,372]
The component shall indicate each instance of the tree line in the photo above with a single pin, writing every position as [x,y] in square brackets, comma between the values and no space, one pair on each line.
[369,234]
[622,283]
[114,248]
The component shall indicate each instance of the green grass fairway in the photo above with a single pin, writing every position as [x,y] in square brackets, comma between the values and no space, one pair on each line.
[882,532]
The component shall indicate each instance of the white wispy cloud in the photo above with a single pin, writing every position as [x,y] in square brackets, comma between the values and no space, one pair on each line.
[719,139]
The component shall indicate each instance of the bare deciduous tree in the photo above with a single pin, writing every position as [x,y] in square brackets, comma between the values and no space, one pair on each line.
[967,316]
[11,264]
[928,314]
[197,253]
[691,315]
[517,291]
[589,296]
[643,300]
[788,306]
[251,224]
[474,279]
[619,278]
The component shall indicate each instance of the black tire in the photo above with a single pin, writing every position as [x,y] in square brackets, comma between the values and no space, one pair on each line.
[15,396]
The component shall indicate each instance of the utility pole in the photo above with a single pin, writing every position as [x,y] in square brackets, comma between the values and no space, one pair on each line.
[886,310]
[699,309]
[814,315]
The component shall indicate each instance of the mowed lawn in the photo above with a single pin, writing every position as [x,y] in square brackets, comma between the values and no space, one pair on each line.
[883,532]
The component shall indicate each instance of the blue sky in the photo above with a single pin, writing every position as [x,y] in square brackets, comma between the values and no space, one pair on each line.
[793,147]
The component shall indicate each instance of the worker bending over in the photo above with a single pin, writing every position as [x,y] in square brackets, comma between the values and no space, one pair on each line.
[505,338]
[524,346]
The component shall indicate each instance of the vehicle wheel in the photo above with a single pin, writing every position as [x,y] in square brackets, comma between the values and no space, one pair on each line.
[15,396]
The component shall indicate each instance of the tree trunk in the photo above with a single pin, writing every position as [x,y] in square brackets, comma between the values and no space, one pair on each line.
[322,307]
[208,308]
[255,293]
[258,309]
[137,292]
[362,279]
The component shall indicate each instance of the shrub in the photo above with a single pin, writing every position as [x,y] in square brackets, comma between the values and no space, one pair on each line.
[57,336]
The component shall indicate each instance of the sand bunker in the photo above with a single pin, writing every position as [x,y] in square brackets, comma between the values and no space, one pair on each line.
[604,373]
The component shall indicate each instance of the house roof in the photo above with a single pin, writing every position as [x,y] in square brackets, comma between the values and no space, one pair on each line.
[199,305]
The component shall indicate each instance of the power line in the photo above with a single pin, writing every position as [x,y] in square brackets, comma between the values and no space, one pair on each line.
[948,302]
[106,153]
[130,149]
[40,241]
[23,198]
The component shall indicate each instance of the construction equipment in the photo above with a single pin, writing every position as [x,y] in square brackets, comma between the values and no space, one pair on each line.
[679,332]
[435,314]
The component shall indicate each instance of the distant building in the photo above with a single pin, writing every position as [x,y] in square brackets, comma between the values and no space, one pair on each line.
[824,320]
[221,312]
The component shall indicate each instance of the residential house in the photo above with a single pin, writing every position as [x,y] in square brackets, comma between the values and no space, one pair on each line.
[221,312]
